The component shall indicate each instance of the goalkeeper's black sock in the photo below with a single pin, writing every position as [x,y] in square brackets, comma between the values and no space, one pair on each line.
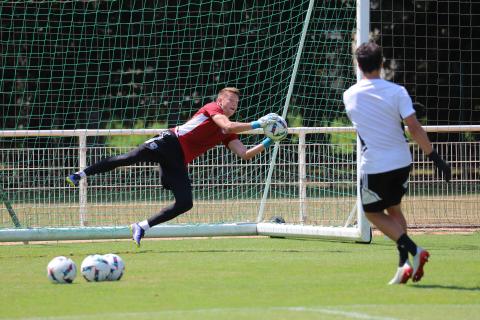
[403,255]
[405,243]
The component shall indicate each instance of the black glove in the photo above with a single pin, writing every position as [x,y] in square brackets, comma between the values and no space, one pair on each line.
[441,165]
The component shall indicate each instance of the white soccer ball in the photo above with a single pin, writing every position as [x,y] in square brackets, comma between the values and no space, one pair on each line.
[95,268]
[117,266]
[61,270]
[278,130]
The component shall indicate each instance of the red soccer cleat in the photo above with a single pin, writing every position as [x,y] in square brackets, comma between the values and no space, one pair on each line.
[419,261]
[403,274]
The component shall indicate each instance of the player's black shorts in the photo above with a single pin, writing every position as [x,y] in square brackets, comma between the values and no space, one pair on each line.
[382,190]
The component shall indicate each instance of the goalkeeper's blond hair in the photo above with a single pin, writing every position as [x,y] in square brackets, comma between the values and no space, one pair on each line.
[229,89]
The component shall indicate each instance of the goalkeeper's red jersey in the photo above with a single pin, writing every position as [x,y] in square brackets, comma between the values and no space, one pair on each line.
[201,133]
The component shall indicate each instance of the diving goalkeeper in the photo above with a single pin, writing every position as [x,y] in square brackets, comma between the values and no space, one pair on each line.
[175,148]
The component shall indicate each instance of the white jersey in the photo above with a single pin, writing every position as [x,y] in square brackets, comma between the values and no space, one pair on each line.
[377,108]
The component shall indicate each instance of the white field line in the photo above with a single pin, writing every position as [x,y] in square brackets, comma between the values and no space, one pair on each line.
[213,311]
[337,312]
[327,310]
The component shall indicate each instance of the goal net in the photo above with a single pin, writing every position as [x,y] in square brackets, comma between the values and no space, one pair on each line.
[118,65]
[82,80]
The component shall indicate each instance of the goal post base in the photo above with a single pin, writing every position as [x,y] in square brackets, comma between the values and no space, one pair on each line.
[366,239]
[309,231]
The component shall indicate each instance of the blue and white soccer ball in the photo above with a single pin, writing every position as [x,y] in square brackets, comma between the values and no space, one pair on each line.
[276,131]
[61,270]
[95,268]
[117,266]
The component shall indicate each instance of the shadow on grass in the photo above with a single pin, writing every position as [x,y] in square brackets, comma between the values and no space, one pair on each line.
[439,286]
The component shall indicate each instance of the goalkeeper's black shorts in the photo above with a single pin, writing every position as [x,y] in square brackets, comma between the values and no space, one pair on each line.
[166,150]
[382,190]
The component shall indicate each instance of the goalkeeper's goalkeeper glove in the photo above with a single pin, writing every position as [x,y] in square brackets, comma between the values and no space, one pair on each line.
[267,142]
[270,118]
[441,165]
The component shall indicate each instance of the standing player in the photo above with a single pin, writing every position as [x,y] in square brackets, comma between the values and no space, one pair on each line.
[173,149]
[377,108]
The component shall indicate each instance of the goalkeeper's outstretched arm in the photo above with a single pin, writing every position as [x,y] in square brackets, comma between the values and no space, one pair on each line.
[230,126]
[236,127]
[241,150]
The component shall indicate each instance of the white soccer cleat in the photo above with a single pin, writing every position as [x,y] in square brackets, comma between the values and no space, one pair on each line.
[419,261]
[402,275]
[137,233]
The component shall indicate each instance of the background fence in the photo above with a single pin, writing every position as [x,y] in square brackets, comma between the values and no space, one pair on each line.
[307,187]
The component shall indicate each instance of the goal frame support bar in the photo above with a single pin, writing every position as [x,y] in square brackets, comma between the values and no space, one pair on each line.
[185,231]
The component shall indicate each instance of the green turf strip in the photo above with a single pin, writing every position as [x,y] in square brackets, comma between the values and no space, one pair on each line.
[246,278]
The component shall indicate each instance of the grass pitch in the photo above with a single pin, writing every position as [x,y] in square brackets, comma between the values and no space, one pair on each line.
[246,278]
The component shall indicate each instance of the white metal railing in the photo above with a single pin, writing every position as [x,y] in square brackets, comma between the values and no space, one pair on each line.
[301,149]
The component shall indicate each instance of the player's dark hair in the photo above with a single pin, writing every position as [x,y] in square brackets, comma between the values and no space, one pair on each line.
[369,57]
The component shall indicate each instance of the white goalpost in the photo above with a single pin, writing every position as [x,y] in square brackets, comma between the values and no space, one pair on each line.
[283,174]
